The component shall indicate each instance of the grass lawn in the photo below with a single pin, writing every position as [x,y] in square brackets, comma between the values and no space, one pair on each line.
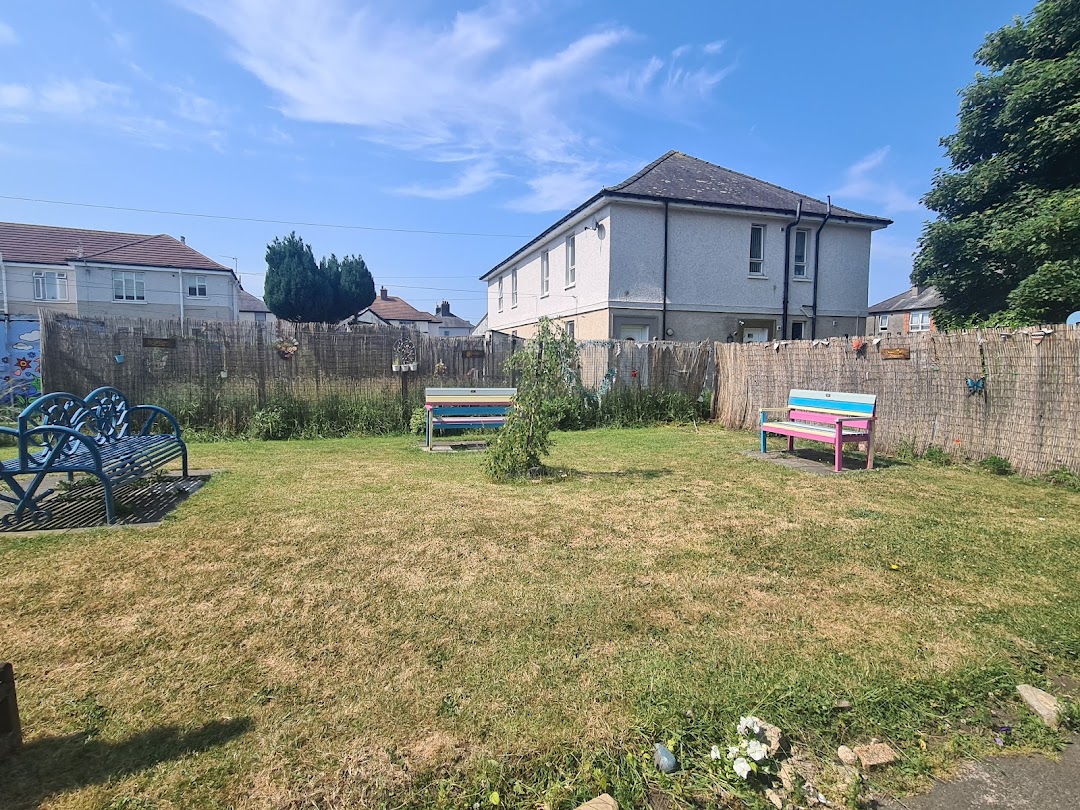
[350,623]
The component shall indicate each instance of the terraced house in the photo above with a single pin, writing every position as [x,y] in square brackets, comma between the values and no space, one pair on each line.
[105,273]
[687,250]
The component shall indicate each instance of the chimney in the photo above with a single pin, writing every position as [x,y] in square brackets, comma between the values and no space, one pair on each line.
[382,293]
[183,240]
[444,308]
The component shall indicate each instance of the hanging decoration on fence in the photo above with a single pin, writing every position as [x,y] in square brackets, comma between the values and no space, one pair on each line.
[404,355]
[976,386]
[286,347]
[1038,335]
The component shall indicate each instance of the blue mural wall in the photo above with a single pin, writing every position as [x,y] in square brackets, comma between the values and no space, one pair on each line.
[20,360]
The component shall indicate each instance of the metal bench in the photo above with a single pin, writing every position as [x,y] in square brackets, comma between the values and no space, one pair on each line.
[466,408]
[60,433]
[825,416]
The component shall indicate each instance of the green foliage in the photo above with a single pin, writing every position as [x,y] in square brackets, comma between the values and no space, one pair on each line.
[1003,249]
[935,455]
[299,290]
[1063,477]
[996,465]
[547,377]
[418,422]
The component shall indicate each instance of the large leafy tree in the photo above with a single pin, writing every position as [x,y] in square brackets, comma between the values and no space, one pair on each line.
[299,290]
[1005,247]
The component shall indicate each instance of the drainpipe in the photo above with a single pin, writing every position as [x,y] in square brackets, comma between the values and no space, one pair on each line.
[787,268]
[817,266]
[663,303]
[3,282]
[180,275]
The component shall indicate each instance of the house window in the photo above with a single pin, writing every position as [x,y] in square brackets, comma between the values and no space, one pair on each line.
[796,330]
[571,261]
[260,316]
[50,286]
[883,323]
[802,239]
[500,293]
[196,287]
[920,321]
[757,250]
[570,328]
[513,287]
[545,274]
[128,286]
[446,333]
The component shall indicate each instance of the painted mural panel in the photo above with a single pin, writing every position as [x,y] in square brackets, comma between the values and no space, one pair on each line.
[20,361]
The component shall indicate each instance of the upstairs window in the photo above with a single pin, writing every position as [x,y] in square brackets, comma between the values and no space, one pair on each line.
[570,328]
[513,287]
[500,293]
[802,240]
[128,286]
[757,250]
[260,317]
[883,323]
[50,286]
[571,261]
[797,330]
[920,321]
[545,274]
[196,287]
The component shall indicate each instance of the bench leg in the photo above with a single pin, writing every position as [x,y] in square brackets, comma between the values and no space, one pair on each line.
[110,507]
[10,727]
[791,444]
[764,446]
[429,431]
[839,440]
[870,449]
[183,462]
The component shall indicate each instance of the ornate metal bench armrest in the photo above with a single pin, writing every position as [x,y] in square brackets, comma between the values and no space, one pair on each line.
[69,435]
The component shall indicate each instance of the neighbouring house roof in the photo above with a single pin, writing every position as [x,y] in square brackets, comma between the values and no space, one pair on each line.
[392,308]
[47,244]
[917,298]
[249,303]
[677,177]
[482,326]
[454,322]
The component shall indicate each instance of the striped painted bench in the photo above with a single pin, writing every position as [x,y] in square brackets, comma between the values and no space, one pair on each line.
[825,416]
[466,408]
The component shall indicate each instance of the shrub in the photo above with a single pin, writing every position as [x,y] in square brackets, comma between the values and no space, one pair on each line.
[935,455]
[418,421]
[1063,477]
[996,465]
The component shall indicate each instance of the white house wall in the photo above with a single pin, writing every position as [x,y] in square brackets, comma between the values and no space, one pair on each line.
[164,290]
[20,290]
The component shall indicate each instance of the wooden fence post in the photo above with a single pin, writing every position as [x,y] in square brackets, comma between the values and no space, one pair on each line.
[10,728]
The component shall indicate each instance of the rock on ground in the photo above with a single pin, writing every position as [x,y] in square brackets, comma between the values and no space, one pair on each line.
[601,802]
[1042,703]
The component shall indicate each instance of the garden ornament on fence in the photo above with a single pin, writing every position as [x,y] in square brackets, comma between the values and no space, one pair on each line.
[404,355]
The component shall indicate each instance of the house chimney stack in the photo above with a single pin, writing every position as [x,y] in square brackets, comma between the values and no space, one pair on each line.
[382,293]
[444,308]
[183,240]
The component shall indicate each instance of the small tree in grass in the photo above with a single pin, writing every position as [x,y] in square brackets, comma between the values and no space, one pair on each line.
[547,374]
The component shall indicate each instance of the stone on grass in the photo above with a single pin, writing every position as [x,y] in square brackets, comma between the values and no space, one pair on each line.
[875,755]
[847,756]
[775,740]
[775,799]
[1042,703]
[601,802]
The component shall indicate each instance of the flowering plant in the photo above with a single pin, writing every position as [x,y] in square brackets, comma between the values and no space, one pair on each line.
[440,368]
[286,347]
[750,754]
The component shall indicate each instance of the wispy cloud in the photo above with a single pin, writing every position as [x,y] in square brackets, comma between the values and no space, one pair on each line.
[863,182]
[472,88]
[7,34]
[672,86]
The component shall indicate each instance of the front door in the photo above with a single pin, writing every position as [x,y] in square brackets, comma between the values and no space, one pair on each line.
[756,334]
[634,331]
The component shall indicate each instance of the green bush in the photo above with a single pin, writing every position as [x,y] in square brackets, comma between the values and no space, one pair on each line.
[935,455]
[1063,477]
[996,465]
[418,422]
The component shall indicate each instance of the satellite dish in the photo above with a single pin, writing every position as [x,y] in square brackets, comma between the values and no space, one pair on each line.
[1073,319]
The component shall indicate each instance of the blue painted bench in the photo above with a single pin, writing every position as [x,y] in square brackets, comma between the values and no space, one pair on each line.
[466,408]
[61,433]
[825,416]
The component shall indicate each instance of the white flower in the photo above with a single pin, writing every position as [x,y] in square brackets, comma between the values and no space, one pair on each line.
[756,751]
[749,726]
[733,751]
[742,767]
[715,753]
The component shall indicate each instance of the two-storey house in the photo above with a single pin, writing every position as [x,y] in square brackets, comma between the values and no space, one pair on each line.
[687,250]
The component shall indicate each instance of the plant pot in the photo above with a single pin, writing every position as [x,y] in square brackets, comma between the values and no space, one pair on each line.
[412,366]
[396,367]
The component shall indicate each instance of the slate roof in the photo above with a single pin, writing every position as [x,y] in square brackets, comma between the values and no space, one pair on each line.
[454,322]
[678,177]
[393,308]
[917,298]
[47,244]
[249,303]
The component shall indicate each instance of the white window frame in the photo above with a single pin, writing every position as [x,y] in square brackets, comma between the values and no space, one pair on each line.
[571,261]
[883,322]
[570,328]
[545,274]
[802,327]
[924,321]
[500,293]
[197,283]
[59,281]
[260,317]
[758,261]
[798,268]
[137,285]
[513,289]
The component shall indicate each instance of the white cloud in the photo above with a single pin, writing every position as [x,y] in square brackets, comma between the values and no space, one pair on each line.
[7,34]
[79,96]
[678,85]
[198,109]
[472,87]
[15,96]
[560,190]
[861,183]
[713,48]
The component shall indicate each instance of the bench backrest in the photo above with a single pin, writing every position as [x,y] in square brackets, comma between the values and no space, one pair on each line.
[826,406]
[109,408]
[471,401]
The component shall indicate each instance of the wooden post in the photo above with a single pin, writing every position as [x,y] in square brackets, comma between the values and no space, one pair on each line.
[405,415]
[10,728]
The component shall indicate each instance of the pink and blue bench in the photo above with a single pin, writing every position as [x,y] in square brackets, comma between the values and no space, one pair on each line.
[466,408]
[832,417]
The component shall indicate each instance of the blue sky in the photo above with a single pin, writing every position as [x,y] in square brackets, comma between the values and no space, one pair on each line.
[484,118]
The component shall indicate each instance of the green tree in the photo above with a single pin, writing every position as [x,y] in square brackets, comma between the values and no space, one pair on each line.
[1005,247]
[547,370]
[299,290]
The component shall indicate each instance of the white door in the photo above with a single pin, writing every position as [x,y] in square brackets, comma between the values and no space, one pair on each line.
[637,331]
[755,335]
